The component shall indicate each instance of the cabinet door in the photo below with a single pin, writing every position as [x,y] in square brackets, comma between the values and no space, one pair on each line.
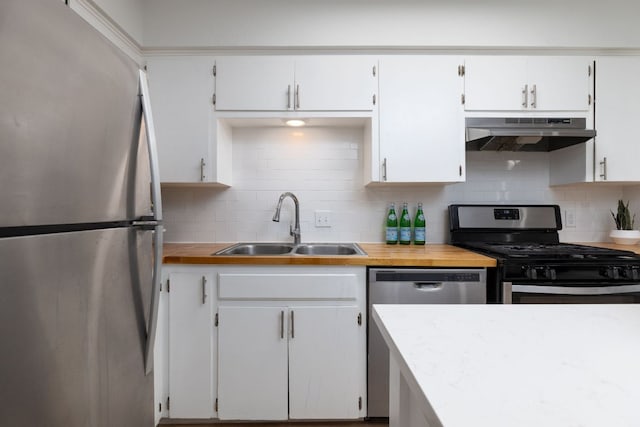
[559,83]
[190,346]
[252,363]
[181,89]
[324,363]
[335,83]
[421,119]
[254,83]
[493,83]
[617,140]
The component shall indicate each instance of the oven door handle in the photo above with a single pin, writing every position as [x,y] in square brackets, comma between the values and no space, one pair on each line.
[569,290]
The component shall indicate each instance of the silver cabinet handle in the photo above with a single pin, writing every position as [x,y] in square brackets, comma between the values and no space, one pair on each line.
[156,200]
[293,332]
[525,96]
[204,290]
[289,97]
[384,169]
[297,97]
[282,324]
[603,168]
[534,96]
[202,165]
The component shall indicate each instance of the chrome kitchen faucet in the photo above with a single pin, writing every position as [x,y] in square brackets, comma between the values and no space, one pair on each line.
[295,232]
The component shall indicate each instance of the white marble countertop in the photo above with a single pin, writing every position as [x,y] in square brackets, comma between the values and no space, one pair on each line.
[519,365]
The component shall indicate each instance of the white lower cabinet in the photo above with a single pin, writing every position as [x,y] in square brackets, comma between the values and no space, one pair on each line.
[191,379]
[324,362]
[252,361]
[263,343]
[292,345]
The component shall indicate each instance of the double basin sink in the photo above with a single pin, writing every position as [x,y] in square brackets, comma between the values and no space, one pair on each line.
[271,249]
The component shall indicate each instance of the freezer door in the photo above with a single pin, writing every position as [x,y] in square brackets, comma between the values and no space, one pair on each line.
[69,120]
[73,316]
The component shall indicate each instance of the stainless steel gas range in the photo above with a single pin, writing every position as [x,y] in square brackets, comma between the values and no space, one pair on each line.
[533,266]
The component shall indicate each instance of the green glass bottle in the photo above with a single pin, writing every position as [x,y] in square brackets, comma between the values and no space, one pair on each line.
[419,227]
[391,230]
[405,225]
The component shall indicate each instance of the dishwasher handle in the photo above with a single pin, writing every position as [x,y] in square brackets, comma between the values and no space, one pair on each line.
[428,286]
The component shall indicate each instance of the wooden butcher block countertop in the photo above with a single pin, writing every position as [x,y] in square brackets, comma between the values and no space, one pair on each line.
[430,255]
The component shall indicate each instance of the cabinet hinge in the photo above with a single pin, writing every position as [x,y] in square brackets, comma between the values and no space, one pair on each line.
[360,319]
[168,403]
[215,405]
[213,99]
[215,320]
[374,99]
[461,70]
[462,99]
[215,70]
[374,71]
[360,403]
[168,285]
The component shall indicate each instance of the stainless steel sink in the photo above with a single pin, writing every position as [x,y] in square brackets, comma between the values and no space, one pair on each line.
[257,249]
[328,249]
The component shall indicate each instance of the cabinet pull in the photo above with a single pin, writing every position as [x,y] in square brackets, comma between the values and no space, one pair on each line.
[204,290]
[603,168]
[282,324]
[534,96]
[289,97]
[525,96]
[202,165]
[297,97]
[384,169]
[293,332]
[589,99]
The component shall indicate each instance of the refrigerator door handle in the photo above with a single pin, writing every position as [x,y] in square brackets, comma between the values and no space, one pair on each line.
[155,299]
[151,146]
[157,216]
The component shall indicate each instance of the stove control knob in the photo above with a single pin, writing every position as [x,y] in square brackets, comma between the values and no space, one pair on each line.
[550,273]
[612,273]
[632,273]
[532,273]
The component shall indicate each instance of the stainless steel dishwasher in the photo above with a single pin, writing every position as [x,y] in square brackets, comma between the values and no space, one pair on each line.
[412,286]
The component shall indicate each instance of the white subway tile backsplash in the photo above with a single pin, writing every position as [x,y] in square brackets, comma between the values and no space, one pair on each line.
[324,168]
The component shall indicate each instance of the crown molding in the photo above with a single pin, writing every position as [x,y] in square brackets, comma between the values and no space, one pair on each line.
[97,17]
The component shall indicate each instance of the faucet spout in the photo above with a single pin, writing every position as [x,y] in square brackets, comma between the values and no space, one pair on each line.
[293,231]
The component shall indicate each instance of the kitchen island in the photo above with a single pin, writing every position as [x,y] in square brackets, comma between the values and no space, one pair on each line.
[513,365]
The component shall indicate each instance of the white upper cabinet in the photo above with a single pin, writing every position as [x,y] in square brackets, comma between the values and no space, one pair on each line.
[282,83]
[191,146]
[617,142]
[258,83]
[421,120]
[528,83]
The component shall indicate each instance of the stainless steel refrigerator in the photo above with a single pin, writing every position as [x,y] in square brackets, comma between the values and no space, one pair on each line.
[80,225]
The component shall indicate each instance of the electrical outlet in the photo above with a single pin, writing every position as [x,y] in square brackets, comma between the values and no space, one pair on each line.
[570,218]
[323,218]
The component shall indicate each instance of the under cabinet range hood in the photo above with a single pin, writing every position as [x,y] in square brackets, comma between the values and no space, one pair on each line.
[525,133]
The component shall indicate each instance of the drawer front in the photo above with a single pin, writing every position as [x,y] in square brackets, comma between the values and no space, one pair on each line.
[287,286]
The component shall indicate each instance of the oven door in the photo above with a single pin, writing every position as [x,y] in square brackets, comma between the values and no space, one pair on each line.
[514,293]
